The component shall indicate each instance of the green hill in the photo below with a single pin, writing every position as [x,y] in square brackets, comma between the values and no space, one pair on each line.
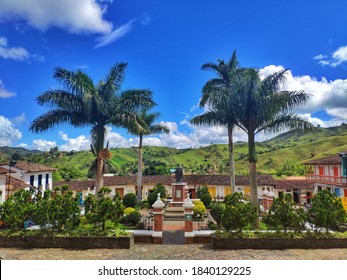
[282,155]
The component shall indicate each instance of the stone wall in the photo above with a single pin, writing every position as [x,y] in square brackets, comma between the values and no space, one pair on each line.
[277,243]
[123,242]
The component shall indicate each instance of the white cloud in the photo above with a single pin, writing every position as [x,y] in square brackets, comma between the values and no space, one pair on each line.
[19,119]
[77,144]
[172,126]
[330,96]
[76,16]
[116,140]
[340,55]
[115,35]
[8,132]
[337,58]
[17,53]
[4,93]
[43,145]
[121,31]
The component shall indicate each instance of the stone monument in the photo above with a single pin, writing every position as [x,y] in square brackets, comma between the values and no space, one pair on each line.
[179,188]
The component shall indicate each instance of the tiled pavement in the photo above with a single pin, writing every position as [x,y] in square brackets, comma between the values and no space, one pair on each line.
[171,252]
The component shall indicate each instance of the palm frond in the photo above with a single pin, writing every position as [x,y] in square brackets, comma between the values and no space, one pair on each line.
[55,117]
[76,82]
[60,99]
[209,118]
[114,80]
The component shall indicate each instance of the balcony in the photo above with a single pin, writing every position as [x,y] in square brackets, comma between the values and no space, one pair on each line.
[325,179]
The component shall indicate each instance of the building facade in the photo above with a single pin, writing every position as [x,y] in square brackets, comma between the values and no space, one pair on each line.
[24,175]
[217,185]
[329,173]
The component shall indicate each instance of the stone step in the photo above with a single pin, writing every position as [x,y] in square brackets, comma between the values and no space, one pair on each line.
[173,214]
[173,218]
[174,209]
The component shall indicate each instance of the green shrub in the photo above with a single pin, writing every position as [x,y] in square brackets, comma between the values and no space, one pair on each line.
[129,200]
[201,191]
[102,208]
[18,208]
[206,198]
[152,197]
[199,210]
[326,211]
[128,210]
[283,214]
[132,218]
[237,215]
[217,212]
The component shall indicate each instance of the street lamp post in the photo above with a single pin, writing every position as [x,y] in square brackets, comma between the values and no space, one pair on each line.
[12,163]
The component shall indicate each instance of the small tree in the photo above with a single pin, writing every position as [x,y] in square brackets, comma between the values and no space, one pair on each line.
[129,200]
[217,212]
[206,198]
[283,215]
[18,208]
[158,188]
[58,208]
[327,210]
[238,214]
[102,208]
[200,191]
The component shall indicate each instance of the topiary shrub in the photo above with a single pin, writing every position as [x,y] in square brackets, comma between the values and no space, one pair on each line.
[201,191]
[206,198]
[217,212]
[129,200]
[152,197]
[128,210]
[132,218]
[199,209]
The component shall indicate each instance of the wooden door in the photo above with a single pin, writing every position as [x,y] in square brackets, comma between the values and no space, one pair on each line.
[120,191]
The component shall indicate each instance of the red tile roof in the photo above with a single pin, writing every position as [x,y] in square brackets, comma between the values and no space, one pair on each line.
[31,167]
[5,170]
[16,184]
[295,184]
[334,159]
[196,180]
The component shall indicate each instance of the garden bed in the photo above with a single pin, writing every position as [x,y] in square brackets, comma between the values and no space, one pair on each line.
[277,243]
[121,242]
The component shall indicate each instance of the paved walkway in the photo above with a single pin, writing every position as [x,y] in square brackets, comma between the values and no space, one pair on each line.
[171,252]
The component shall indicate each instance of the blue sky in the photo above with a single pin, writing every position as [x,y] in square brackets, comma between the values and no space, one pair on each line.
[165,42]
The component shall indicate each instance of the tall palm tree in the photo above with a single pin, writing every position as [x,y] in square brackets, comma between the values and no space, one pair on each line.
[217,95]
[147,127]
[262,106]
[80,103]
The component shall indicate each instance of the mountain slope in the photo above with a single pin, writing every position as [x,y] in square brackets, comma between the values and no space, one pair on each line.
[294,146]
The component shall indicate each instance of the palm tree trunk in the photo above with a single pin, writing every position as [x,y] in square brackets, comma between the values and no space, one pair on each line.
[99,174]
[252,160]
[139,172]
[231,159]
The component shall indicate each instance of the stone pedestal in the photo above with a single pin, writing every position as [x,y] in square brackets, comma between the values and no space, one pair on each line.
[188,219]
[179,191]
[158,220]
[268,199]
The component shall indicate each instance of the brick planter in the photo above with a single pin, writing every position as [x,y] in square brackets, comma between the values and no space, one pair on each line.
[123,242]
[273,243]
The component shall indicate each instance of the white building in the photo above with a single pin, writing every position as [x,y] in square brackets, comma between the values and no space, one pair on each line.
[25,174]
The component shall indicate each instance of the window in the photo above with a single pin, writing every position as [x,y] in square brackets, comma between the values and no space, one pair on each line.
[32,178]
[47,179]
[40,180]
[344,166]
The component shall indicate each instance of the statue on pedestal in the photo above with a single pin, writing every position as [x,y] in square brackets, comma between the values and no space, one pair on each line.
[179,174]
